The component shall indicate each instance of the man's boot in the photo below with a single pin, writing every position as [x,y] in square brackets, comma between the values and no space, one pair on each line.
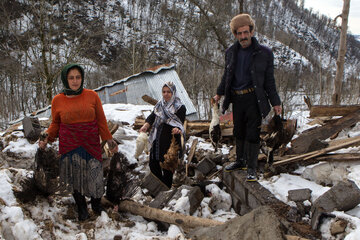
[252,153]
[81,205]
[96,205]
[240,163]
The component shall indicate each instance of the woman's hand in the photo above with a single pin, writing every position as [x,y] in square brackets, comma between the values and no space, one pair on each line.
[113,147]
[43,143]
[145,127]
[176,131]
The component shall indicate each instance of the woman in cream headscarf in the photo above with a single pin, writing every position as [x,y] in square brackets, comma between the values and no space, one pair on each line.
[166,119]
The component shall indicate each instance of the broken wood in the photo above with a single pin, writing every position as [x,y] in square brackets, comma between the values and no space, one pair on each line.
[191,155]
[339,157]
[303,143]
[310,155]
[149,99]
[326,111]
[120,91]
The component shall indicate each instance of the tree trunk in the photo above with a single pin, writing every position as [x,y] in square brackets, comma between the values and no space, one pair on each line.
[184,221]
[336,98]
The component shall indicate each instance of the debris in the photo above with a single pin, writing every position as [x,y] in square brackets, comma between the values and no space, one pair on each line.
[342,197]
[261,223]
[299,195]
[32,128]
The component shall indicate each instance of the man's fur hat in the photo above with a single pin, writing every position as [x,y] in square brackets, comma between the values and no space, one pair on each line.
[240,21]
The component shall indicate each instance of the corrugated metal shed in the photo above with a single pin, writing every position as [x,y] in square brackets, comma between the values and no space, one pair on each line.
[149,82]
[131,89]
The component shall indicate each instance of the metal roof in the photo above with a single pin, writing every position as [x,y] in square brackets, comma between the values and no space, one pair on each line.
[149,82]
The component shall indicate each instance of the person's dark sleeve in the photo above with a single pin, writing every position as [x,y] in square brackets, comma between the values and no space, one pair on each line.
[151,118]
[269,84]
[221,88]
[181,113]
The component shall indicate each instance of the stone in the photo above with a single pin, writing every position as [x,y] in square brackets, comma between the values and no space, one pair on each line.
[162,199]
[194,194]
[32,128]
[338,226]
[205,165]
[341,197]
[261,223]
[299,195]
[153,184]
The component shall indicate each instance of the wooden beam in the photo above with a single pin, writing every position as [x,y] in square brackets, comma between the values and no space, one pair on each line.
[310,155]
[149,99]
[305,140]
[326,111]
[191,155]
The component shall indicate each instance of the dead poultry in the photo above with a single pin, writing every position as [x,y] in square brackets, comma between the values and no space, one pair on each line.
[279,133]
[214,129]
[171,158]
[141,144]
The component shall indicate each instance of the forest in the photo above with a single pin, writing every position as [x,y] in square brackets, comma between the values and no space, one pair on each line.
[115,39]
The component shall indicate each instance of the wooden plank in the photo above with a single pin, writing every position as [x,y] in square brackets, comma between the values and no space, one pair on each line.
[325,111]
[120,91]
[310,155]
[191,155]
[305,140]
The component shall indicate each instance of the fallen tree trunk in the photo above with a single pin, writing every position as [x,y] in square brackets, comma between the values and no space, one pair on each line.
[184,221]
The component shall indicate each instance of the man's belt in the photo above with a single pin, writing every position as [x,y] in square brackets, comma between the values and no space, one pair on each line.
[244,91]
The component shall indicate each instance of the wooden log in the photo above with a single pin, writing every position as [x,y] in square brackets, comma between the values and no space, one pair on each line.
[326,111]
[149,99]
[184,221]
[305,140]
[191,155]
[291,237]
[314,154]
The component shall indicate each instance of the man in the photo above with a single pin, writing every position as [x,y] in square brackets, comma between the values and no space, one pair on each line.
[248,83]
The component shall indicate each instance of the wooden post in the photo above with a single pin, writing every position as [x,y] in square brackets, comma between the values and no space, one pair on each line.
[191,155]
[336,98]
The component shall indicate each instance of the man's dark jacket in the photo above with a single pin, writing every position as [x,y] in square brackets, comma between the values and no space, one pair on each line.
[262,75]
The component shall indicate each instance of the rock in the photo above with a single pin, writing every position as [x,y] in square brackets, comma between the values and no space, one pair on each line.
[205,166]
[153,184]
[299,195]
[338,226]
[328,173]
[342,197]
[261,223]
[32,128]
[193,193]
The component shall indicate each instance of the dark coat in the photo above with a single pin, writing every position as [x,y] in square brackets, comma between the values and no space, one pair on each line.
[163,139]
[262,75]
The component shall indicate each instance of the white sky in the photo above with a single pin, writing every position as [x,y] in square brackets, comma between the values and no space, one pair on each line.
[332,8]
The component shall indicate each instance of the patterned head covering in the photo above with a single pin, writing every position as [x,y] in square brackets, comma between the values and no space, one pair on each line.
[165,112]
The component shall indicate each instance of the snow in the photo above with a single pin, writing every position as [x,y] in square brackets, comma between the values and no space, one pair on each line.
[29,224]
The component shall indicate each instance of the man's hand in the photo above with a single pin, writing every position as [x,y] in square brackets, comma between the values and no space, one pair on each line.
[217,98]
[277,109]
